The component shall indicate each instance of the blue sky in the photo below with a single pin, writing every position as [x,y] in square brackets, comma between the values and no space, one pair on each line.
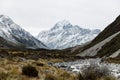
[37,15]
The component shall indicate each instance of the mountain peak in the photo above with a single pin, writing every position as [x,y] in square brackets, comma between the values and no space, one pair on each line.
[4,16]
[64,22]
[5,19]
[62,25]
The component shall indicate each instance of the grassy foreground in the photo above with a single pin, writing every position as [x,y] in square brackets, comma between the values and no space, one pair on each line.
[12,70]
[35,65]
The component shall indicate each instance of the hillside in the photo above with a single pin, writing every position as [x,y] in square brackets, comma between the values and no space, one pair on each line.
[111,47]
[106,43]
[111,29]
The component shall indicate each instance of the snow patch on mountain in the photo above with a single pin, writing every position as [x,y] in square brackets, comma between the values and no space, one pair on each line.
[64,35]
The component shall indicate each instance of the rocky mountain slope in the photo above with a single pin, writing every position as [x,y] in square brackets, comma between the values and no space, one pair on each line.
[4,44]
[107,43]
[13,34]
[64,35]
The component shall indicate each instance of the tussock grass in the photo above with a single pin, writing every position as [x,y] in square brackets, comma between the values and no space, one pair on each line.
[12,69]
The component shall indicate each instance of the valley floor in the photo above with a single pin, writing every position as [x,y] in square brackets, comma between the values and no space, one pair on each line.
[50,65]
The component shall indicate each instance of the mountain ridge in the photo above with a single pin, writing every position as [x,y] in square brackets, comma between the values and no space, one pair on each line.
[12,32]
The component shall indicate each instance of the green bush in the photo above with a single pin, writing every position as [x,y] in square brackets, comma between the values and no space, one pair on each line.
[30,71]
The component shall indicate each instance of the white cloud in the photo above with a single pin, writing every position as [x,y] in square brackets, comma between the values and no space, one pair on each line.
[37,15]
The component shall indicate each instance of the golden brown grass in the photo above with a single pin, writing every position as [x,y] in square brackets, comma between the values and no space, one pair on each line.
[11,69]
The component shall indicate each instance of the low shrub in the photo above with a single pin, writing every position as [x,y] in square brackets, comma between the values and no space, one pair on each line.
[94,72]
[30,71]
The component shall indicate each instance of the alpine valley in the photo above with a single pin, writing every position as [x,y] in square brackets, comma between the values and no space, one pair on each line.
[65,52]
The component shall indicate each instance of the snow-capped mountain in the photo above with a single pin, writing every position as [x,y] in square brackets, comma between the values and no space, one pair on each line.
[14,33]
[64,35]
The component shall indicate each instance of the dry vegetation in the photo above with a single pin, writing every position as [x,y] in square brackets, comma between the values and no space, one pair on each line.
[95,72]
[31,65]
[36,65]
[13,70]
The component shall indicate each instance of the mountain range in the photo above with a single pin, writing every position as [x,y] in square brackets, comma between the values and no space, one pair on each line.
[78,41]
[64,35]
